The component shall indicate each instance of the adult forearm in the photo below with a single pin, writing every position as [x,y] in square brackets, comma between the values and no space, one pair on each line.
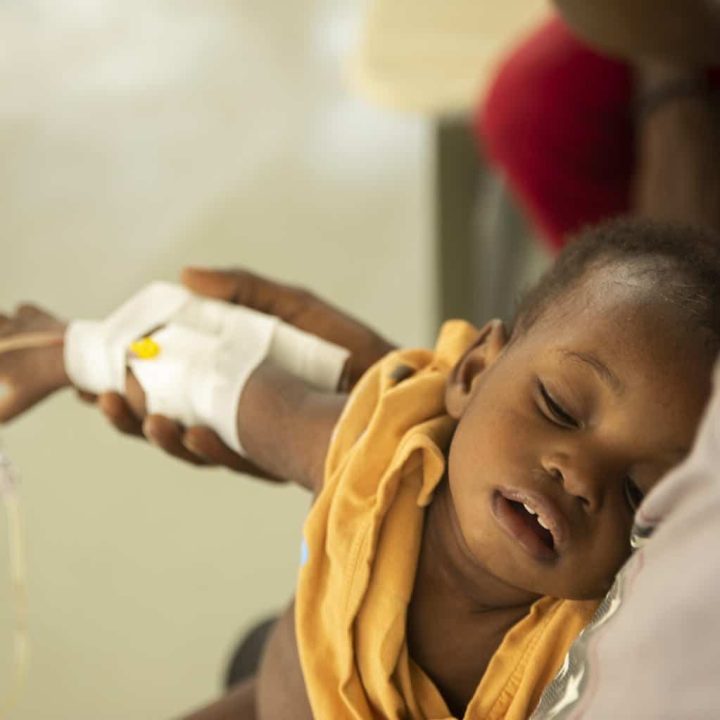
[681,30]
[678,162]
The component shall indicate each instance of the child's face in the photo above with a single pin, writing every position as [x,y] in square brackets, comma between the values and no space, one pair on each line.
[605,390]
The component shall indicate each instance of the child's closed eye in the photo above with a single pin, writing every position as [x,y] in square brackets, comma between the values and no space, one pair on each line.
[633,494]
[554,411]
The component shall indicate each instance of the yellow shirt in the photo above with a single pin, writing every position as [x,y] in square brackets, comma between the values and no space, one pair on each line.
[361,545]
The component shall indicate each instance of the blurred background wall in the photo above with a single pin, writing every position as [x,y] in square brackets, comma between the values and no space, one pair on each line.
[138,136]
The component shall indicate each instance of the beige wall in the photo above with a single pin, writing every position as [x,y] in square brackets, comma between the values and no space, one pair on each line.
[137,137]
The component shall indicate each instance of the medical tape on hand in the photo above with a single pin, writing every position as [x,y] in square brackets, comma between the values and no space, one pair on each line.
[207,351]
[318,362]
[95,351]
[197,377]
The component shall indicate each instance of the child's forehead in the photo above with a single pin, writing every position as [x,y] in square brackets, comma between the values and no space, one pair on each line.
[624,279]
[619,313]
[615,339]
[636,287]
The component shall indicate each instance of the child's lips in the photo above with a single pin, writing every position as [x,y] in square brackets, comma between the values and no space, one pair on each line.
[546,513]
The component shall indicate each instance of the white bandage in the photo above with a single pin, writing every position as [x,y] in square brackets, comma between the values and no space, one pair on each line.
[207,351]
[95,351]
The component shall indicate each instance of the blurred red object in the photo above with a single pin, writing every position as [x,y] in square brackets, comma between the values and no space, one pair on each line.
[557,122]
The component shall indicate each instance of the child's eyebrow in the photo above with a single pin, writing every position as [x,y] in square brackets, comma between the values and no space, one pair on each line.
[600,369]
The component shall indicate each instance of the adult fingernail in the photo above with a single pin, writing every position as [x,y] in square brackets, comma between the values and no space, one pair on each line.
[192,447]
[148,433]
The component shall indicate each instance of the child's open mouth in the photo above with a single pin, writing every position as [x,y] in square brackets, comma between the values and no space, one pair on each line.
[531,520]
[526,526]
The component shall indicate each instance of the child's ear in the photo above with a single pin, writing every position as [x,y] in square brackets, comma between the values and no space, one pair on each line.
[483,353]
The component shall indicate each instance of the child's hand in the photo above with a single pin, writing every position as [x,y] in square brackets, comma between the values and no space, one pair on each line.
[297,307]
[31,359]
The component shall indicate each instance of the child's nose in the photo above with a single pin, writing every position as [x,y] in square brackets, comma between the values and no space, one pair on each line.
[581,478]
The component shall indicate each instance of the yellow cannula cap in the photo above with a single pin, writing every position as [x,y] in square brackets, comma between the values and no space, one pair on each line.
[145,348]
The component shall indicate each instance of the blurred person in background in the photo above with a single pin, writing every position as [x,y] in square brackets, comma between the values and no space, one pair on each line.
[611,108]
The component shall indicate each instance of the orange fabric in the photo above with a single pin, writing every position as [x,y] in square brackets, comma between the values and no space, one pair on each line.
[363,539]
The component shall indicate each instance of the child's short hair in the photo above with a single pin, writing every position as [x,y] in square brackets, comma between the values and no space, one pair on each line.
[683,262]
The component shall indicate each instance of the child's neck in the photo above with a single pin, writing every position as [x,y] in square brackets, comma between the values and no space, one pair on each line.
[446,562]
[458,613]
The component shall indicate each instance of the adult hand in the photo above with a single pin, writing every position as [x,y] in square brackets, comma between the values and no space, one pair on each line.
[295,306]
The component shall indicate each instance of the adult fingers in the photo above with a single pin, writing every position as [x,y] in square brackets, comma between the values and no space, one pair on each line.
[242,287]
[12,402]
[7,327]
[295,306]
[34,318]
[220,284]
[87,397]
[205,443]
[117,411]
[168,435]
[27,310]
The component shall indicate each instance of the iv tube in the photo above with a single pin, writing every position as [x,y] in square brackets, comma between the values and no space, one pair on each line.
[16,546]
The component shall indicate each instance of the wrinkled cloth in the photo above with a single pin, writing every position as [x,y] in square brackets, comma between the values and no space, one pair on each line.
[362,542]
[653,649]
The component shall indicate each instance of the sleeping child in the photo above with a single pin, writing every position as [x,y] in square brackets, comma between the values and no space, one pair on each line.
[473,503]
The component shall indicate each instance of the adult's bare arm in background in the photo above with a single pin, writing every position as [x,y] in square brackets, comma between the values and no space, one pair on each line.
[684,31]
[678,145]
[670,44]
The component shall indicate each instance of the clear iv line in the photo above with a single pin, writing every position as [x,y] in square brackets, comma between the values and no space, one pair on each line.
[16,545]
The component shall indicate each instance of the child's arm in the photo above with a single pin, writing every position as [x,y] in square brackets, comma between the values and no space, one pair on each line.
[283,424]
[293,305]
